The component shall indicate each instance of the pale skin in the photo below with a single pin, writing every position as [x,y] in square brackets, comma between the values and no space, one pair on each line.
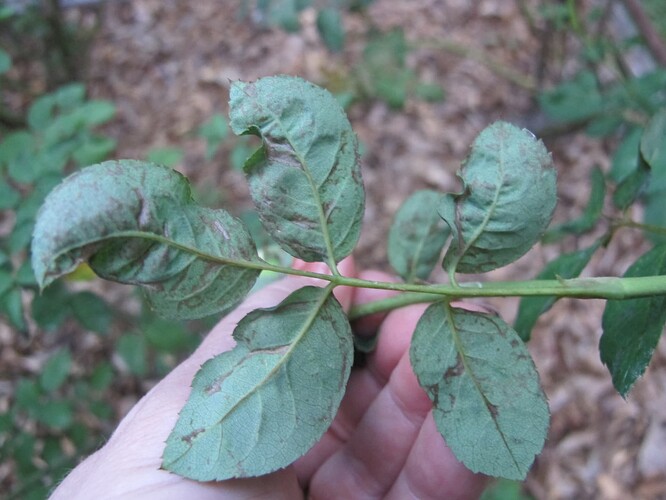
[383,443]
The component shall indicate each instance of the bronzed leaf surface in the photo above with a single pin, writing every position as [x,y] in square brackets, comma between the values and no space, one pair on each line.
[632,328]
[488,403]
[306,180]
[508,200]
[417,236]
[260,406]
[136,223]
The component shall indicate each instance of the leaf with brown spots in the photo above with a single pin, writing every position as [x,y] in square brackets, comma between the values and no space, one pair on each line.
[507,202]
[260,406]
[306,179]
[136,222]
[488,403]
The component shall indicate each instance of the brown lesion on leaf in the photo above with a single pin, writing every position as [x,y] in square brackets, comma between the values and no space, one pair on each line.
[493,409]
[455,371]
[189,438]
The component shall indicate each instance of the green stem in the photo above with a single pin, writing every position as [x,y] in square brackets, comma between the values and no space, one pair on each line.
[650,228]
[521,80]
[589,288]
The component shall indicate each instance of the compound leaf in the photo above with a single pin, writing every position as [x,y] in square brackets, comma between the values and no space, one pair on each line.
[590,215]
[417,236]
[566,266]
[632,328]
[508,200]
[306,180]
[260,406]
[136,222]
[488,403]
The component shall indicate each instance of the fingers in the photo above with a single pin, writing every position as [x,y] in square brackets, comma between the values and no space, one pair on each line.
[135,449]
[368,325]
[370,462]
[432,471]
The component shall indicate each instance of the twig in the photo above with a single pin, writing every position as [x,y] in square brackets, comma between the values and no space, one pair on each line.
[524,81]
[653,40]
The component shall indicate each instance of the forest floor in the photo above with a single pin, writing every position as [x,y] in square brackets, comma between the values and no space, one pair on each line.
[168,64]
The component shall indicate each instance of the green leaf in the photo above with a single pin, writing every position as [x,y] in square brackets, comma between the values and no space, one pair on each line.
[653,150]
[331,30]
[429,92]
[11,305]
[56,370]
[575,100]
[136,223]
[485,389]
[102,376]
[26,396]
[214,131]
[632,328]
[9,196]
[168,336]
[94,150]
[5,62]
[56,414]
[97,112]
[654,213]
[628,191]
[588,220]
[132,349]
[625,159]
[91,311]
[417,236]
[259,407]
[306,180]
[51,307]
[566,266]
[508,200]
[168,156]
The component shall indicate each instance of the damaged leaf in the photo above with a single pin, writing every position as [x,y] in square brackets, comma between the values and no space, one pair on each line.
[508,200]
[488,402]
[306,180]
[260,406]
[136,222]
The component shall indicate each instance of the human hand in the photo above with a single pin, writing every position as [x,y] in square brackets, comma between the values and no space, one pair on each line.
[383,442]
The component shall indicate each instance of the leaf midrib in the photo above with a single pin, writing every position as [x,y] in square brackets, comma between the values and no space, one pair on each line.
[287,354]
[467,369]
[323,221]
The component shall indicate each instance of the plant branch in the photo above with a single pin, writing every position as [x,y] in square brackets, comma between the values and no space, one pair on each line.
[613,288]
[652,38]
[464,51]
[650,228]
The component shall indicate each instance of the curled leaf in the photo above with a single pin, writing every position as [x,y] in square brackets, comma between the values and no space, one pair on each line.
[260,406]
[306,180]
[136,222]
[508,200]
